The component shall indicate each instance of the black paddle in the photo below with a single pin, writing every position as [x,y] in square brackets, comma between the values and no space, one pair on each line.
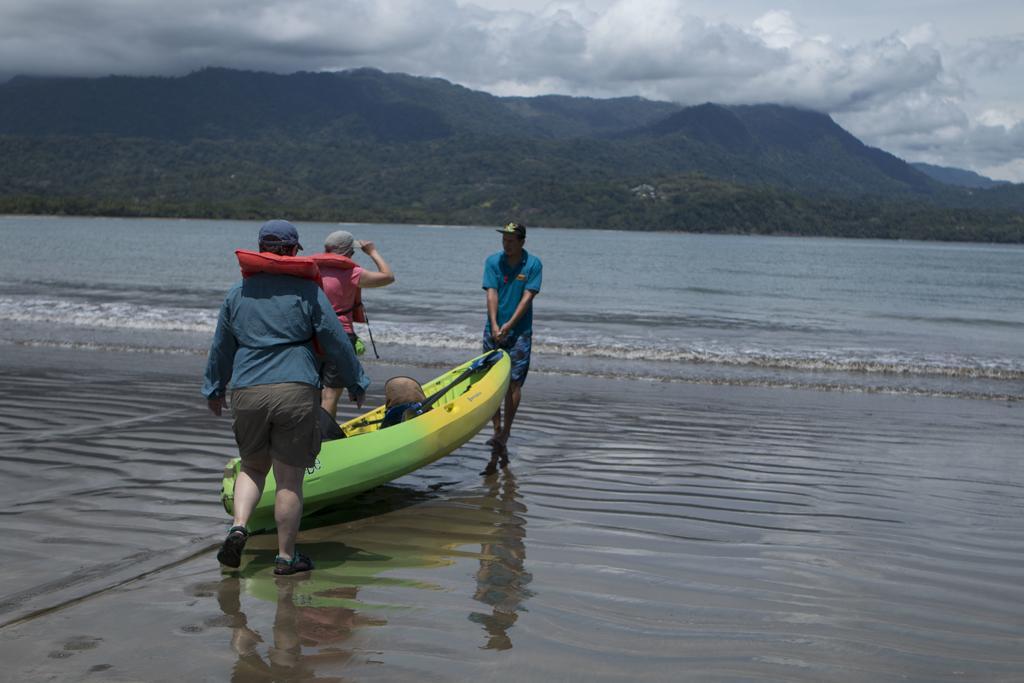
[481,362]
[370,332]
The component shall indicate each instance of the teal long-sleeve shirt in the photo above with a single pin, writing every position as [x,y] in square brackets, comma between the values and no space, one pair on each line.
[265,334]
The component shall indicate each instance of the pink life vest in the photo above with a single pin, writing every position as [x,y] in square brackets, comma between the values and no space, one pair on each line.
[343,263]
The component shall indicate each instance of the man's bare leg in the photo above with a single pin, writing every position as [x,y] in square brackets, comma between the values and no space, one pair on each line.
[499,444]
[330,399]
[515,391]
[248,489]
[287,506]
[496,444]
[496,423]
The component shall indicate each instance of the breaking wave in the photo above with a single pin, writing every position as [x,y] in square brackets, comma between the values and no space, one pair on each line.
[126,317]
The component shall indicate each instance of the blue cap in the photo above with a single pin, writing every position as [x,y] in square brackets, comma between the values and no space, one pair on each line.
[279,232]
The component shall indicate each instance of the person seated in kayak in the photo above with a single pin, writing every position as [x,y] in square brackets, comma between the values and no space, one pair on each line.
[403,396]
[264,348]
[343,279]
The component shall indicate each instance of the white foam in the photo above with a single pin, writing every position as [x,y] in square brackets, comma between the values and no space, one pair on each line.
[109,315]
[128,316]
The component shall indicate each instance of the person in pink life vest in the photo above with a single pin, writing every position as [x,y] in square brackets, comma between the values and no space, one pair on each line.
[343,280]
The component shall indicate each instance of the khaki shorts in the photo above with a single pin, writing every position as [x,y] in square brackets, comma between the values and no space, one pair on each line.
[277,422]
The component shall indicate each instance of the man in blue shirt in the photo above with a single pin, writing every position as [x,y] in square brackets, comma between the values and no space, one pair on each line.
[512,279]
[264,347]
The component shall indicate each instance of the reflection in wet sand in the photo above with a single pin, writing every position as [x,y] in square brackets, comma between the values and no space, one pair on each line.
[501,579]
[318,615]
[296,626]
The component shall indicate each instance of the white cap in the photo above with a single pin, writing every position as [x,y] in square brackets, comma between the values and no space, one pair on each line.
[340,242]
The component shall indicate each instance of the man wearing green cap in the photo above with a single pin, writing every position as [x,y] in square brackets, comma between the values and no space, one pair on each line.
[512,278]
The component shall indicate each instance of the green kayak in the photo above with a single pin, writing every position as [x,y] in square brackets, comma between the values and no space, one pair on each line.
[459,403]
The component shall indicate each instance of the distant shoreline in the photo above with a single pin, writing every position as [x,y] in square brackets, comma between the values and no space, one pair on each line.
[298,216]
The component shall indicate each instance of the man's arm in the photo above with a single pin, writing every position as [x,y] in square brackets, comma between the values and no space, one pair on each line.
[521,308]
[219,362]
[533,282]
[492,310]
[370,280]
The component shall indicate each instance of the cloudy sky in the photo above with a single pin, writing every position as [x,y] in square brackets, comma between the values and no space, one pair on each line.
[940,81]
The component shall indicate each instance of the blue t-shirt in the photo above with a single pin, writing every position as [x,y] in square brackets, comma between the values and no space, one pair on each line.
[510,284]
[265,335]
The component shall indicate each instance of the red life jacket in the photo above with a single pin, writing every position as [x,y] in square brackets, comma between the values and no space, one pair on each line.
[344,263]
[252,262]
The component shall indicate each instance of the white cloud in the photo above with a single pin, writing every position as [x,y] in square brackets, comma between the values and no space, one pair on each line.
[144,36]
[778,30]
[1011,170]
[905,91]
[997,117]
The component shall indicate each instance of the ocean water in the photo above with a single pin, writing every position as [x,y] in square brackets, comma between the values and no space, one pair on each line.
[832,314]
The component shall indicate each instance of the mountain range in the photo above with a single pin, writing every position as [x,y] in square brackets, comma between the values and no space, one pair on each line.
[958,176]
[365,145]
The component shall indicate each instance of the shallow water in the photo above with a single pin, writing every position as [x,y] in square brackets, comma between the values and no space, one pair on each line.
[644,530]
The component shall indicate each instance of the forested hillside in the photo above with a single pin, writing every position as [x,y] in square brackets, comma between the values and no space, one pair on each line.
[368,146]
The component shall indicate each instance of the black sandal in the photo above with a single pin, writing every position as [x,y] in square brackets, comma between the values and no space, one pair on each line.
[298,563]
[230,553]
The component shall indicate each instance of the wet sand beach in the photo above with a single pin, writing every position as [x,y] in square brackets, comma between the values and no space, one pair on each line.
[650,531]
